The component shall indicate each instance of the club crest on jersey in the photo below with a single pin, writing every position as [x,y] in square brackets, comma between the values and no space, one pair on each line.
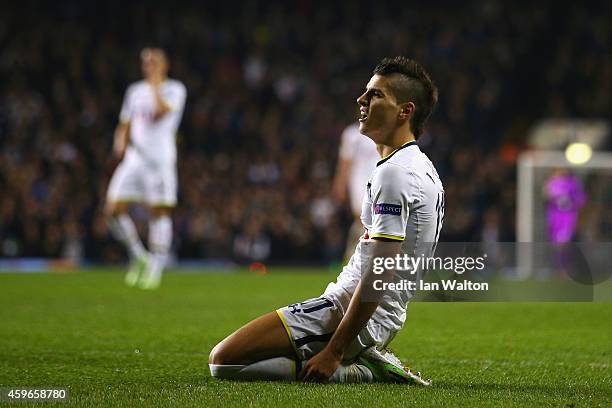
[390,209]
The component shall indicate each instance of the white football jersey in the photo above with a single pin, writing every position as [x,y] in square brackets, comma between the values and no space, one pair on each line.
[153,140]
[362,153]
[404,201]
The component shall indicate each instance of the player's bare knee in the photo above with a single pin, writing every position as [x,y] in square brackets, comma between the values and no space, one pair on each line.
[222,354]
[157,212]
[114,209]
[217,355]
[109,209]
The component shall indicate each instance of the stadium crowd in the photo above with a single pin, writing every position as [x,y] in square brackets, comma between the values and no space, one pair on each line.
[271,86]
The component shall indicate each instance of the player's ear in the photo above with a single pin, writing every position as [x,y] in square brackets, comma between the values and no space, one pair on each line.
[406,110]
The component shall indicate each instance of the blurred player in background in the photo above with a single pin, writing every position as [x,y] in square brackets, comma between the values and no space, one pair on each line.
[356,162]
[341,336]
[565,197]
[145,141]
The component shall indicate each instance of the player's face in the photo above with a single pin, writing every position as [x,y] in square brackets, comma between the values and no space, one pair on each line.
[153,64]
[378,110]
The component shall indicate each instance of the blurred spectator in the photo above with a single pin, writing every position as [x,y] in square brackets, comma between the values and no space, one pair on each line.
[252,244]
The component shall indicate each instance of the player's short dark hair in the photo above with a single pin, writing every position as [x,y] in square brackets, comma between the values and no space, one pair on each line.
[411,83]
[156,49]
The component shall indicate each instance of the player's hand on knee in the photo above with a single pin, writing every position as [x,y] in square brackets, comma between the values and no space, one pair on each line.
[320,367]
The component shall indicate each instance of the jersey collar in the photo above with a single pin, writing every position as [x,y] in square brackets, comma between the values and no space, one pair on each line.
[387,157]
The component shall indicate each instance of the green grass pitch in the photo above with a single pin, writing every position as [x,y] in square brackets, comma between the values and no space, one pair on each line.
[112,345]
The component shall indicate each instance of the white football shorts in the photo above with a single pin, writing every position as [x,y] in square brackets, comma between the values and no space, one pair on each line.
[311,324]
[135,180]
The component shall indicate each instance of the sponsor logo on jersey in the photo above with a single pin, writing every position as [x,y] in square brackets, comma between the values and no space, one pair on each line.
[390,209]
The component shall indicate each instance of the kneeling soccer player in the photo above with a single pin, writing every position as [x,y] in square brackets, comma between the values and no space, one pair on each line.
[341,336]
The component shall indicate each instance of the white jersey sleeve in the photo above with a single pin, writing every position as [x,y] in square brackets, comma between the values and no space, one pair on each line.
[347,143]
[362,154]
[393,189]
[175,96]
[126,107]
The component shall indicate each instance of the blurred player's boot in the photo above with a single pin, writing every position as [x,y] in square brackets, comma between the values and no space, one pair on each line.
[386,367]
[160,239]
[138,266]
[151,278]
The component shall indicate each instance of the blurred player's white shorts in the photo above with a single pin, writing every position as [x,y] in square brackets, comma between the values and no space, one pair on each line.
[310,325]
[135,180]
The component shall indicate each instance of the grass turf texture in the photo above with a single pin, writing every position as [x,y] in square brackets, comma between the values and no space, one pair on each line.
[112,345]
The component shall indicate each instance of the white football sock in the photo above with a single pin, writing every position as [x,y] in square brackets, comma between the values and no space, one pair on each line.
[273,369]
[285,369]
[123,229]
[352,373]
[160,239]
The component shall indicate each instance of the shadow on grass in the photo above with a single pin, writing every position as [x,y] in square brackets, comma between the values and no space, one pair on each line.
[542,389]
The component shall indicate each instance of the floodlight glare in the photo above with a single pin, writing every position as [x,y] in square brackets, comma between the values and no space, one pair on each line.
[578,153]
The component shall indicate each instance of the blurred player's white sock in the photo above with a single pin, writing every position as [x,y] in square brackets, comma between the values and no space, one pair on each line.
[273,369]
[123,229]
[352,373]
[160,239]
[160,235]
